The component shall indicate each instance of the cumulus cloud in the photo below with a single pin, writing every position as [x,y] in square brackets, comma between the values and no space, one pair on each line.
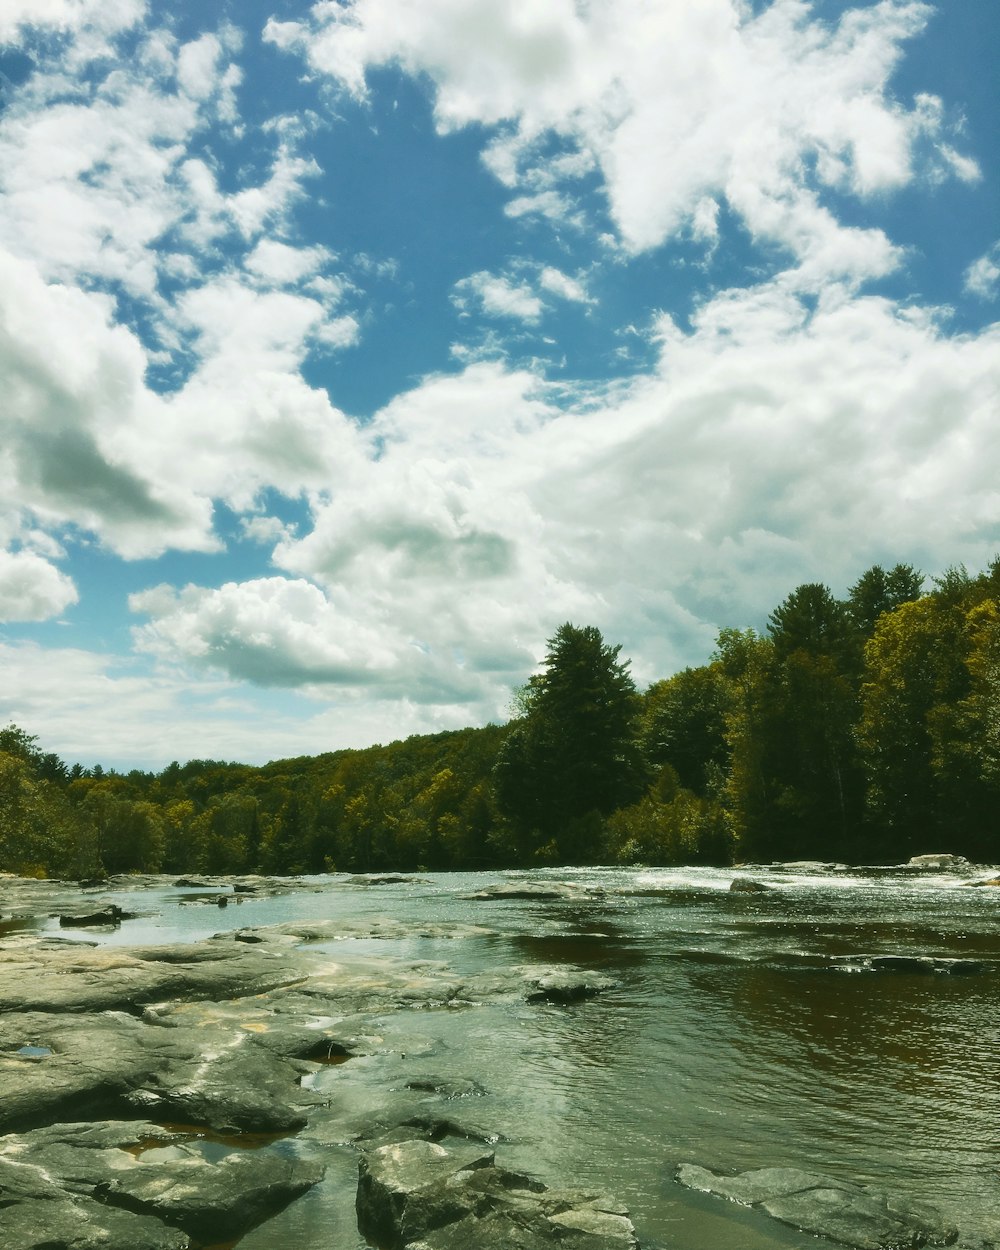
[497,296]
[71,419]
[676,104]
[287,632]
[518,293]
[484,511]
[31,588]
[982,278]
[96,17]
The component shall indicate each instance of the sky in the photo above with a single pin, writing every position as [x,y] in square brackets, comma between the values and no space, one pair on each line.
[349,349]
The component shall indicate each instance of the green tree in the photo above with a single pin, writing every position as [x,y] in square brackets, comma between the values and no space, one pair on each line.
[876,592]
[914,671]
[683,724]
[574,754]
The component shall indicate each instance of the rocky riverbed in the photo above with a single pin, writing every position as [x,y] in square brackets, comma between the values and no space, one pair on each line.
[172,1096]
[118,1064]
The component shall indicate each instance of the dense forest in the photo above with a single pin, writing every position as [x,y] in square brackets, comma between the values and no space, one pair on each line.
[865,730]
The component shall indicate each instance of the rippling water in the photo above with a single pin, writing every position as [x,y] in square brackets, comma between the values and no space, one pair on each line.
[747,1030]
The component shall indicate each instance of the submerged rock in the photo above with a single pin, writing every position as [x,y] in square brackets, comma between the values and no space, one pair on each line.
[421,1195]
[854,1215]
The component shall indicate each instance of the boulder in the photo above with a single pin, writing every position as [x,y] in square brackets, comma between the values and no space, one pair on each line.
[746,885]
[421,1195]
[854,1215]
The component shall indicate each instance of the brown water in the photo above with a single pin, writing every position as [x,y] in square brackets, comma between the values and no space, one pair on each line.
[746,1031]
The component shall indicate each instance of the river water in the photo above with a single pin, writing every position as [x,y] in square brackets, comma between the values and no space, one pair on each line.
[746,1030]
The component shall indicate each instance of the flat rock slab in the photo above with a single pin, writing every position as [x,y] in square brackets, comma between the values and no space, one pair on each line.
[135,1184]
[113,1064]
[854,1215]
[422,1195]
[56,976]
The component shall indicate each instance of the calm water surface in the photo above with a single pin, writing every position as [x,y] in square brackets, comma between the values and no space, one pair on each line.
[746,1031]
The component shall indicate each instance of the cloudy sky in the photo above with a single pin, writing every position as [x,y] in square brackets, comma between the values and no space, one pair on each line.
[348,349]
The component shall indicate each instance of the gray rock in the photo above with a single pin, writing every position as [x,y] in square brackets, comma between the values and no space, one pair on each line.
[115,1065]
[420,1195]
[233,1086]
[53,977]
[855,1215]
[136,1185]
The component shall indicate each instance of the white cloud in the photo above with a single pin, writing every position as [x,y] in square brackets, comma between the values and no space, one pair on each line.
[282,265]
[497,296]
[99,17]
[517,293]
[700,494]
[32,589]
[677,104]
[70,422]
[561,284]
[982,278]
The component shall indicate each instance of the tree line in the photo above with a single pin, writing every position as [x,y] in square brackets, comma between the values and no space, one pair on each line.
[863,729]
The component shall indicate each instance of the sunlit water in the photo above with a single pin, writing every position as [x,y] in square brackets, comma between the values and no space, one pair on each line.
[746,1031]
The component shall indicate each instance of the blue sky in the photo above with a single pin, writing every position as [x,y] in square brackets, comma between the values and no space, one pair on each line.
[348,349]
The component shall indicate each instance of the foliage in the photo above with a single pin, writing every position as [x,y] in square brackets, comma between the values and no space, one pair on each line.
[862,729]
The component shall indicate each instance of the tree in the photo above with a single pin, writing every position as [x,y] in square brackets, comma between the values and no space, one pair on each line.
[876,592]
[811,620]
[574,753]
[683,724]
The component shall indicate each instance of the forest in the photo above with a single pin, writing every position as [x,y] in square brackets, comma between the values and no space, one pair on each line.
[859,730]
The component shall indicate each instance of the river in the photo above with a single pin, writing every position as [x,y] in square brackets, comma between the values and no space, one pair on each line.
[746,1030]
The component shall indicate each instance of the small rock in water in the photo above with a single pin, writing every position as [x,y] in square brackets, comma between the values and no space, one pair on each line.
[745,885]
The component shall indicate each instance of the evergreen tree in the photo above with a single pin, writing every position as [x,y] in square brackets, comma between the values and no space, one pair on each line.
[574,756]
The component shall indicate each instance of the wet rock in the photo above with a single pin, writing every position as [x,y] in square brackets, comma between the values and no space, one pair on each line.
[746,885]
[53,977]
[945,861]
[232,1086]
[110,917]
[447,1087]
[852,1214]
[537,891]
[386,878]
[536,983]
[421,1195]
[113,1064]
[988,881]
[915,965]
[138,1186]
